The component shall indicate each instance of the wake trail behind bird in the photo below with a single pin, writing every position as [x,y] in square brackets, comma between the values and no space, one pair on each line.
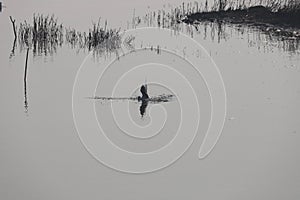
[155,99]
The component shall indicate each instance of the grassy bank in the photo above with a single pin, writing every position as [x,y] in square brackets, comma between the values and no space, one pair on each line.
[283,14]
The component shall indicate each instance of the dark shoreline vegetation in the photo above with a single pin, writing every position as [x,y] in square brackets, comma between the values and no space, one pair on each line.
[277,17]
[274,17]
[45,34]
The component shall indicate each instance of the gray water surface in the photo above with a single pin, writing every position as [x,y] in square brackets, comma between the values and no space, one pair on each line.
[257,156]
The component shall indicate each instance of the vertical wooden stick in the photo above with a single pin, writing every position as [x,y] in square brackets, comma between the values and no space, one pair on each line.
[26,61]
[14,26]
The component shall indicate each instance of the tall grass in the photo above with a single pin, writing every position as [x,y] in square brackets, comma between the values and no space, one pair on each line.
[45,34]
[99,38]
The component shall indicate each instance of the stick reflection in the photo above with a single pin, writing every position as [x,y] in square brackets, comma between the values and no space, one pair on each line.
[25,83]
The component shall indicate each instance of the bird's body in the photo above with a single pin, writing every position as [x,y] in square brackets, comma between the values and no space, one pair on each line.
[144,96]
[144,99]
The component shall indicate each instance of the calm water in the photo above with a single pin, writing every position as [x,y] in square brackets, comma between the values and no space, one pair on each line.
[256,157]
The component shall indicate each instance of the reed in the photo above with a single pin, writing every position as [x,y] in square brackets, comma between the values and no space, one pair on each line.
[99,38]
[43,35]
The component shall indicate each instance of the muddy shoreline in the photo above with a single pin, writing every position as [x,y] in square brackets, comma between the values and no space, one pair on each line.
[280,23]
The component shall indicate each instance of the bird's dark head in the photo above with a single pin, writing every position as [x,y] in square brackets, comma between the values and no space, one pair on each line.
[143,90]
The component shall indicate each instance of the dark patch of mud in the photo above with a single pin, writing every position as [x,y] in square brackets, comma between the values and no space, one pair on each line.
[281,22]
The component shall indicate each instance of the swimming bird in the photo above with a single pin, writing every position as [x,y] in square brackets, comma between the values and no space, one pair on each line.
[144,99]
[144,96]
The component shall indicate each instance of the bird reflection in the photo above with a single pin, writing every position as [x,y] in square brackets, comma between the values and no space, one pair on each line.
[143,107]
